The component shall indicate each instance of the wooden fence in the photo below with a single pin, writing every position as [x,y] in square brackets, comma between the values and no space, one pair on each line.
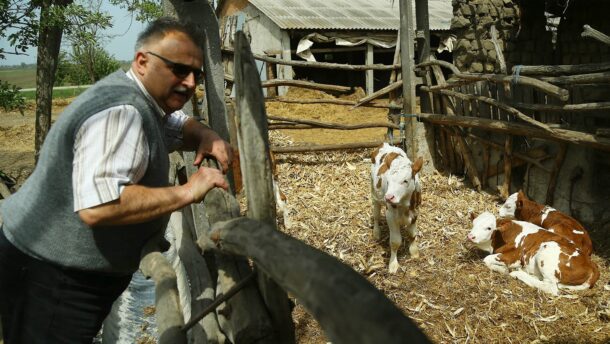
[229,299]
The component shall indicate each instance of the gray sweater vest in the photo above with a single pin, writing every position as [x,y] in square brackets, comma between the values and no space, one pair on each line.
[40,220]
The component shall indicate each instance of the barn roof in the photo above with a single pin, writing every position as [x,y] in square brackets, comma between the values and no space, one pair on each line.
[347,14]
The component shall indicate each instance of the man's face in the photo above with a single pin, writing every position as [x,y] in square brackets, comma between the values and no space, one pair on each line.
[166,69]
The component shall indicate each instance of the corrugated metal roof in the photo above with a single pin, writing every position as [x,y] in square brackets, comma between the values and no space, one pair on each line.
[347,14]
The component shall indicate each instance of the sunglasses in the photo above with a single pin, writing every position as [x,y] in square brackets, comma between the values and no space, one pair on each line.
[180,70]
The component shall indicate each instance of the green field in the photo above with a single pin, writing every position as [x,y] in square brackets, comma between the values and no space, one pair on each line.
[57,93]
[22,77]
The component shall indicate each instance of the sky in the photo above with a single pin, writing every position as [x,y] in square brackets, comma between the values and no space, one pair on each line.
[120,46]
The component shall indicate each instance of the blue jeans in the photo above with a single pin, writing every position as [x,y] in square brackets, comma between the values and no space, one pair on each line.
[44,303]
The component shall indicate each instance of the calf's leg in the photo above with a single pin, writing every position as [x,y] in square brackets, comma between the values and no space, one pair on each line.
[494,263]
[412,232]
[395,238]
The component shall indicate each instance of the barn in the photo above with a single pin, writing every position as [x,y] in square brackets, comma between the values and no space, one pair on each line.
[340,31]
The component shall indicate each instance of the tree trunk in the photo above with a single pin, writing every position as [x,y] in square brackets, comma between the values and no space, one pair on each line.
[49,41]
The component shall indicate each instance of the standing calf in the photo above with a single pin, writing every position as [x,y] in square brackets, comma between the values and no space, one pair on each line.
[520,207]
[539,258]
[395,184]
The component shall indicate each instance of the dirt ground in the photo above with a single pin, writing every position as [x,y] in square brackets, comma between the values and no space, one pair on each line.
[447,291]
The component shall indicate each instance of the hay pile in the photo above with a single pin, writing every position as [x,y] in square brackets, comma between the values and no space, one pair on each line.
[448,291]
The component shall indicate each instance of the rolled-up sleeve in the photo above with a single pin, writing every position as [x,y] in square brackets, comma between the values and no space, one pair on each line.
[110,152]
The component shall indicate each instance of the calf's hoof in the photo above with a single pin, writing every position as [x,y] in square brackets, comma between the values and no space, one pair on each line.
[393,267]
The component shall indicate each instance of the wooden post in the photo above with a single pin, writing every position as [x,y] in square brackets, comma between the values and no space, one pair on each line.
[348,308]
[271,91]
[285,71]
[408,77]
[369,60]
[423,29]
[561,155]
[508,166]
[254,158]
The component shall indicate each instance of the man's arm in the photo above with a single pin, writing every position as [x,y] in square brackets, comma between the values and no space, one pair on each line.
[139,203]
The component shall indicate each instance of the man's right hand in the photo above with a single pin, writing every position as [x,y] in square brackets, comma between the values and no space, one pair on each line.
[203,181]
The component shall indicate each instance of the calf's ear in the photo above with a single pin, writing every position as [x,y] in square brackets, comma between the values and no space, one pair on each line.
[417,165]
[473,216]
[374,153]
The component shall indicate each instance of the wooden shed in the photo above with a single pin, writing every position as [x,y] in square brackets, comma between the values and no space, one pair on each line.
[338,31]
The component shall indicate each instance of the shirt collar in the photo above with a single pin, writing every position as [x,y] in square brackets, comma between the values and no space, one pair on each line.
[132,76]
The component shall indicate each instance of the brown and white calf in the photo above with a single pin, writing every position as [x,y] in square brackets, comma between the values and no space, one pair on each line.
[395,184]
[539,258]
[520,207]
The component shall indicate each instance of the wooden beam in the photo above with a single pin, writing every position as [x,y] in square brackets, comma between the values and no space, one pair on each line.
[407,48]
[317,148]
[307,84]
[326,287]
[333,101]
[339,126]
[370,60]
[322,65]
[555,70]
[563,135]
[559,159]
[590,32]
[255,163]
[584,107]
[577,79]
[509,109]
[548,88]
[508,167]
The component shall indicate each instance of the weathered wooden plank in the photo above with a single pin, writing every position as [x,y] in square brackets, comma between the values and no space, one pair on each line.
[563,69]
[254,158]
[169,311]
[322,65]
[348,308]
[201,286]
[543,86]
[559,159]
[334,101]
[570,136]
[243,317]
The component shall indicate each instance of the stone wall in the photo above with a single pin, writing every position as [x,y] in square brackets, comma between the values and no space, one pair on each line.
[522,35]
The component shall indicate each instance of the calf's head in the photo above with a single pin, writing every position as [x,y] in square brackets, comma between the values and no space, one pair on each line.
[513,205]
[400,178]
[483,227]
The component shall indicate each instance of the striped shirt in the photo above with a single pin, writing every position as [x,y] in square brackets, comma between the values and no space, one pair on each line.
[111,151]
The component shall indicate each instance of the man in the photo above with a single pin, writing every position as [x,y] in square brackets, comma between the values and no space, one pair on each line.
[72,235]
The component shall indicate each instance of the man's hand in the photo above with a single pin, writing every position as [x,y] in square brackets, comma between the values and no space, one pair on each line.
[204,180]
[213,145]
[205,142]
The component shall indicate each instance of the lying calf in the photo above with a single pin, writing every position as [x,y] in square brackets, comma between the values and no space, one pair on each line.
[395,184]
[520,207]
[539,258]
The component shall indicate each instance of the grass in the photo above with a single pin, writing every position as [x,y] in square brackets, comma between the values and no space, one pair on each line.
[22,77]
[57,93]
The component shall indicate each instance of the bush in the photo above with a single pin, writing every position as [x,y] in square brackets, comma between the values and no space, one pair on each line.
[11,98]
[72,69]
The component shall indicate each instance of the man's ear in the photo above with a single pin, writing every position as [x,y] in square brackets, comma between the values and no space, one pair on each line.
[139,63]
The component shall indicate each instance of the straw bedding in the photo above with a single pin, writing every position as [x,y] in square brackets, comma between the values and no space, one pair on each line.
[447,291]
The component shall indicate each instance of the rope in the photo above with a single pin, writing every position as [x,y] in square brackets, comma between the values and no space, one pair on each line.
[516,74]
